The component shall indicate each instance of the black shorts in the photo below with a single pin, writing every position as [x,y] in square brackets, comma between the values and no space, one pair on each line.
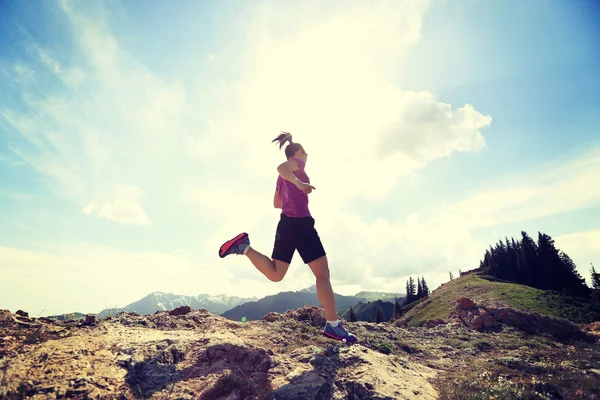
[297,234]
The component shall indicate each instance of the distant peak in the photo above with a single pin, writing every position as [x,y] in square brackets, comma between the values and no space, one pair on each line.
[310,289]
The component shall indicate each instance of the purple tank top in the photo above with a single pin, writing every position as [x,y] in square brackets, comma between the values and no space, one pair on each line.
[294,203]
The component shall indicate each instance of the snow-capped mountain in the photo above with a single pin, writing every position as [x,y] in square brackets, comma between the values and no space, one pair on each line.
[159,301]
[310,289]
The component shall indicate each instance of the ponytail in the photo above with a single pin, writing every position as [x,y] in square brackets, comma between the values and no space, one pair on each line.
[282,138]
[292,148]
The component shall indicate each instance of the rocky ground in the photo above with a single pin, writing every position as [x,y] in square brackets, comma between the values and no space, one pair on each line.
[185,354]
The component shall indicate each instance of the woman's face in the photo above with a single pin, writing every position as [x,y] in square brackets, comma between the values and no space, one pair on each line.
[302,154]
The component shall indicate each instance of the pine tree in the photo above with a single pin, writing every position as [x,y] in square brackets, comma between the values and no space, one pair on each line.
[530,260]
[411,291]
[513,265]
[451,276]
[595,278]
[574,283]
[379,315]
[425,287]
[413,288]
[550,274]
[352,317]
[419,288]
[503,260]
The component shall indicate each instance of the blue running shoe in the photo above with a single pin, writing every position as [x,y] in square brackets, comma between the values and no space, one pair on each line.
[338,332]
[237,245]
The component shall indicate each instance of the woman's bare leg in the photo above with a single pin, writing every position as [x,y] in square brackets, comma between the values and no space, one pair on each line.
[320,268]
[274,270]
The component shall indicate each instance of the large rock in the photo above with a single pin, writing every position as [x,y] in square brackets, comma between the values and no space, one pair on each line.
[463,302]
[313,314]
[181,310]
[509,316]
[271,317]
[475,317]
[536,323]
[90,319]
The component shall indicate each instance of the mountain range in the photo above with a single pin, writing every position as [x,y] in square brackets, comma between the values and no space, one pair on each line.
[284,301]
[252,308]
[159,301]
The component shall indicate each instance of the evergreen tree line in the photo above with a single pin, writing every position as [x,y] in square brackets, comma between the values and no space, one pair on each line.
[540,265]
[414,293]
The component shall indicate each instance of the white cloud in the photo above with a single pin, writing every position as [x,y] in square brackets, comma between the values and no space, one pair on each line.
[112,123]
[125,212]
[429,129]
[329,81]
[125,208]
[90,208]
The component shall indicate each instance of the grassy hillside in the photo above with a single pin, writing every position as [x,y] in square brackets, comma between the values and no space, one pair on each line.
[478,288]
[66,317]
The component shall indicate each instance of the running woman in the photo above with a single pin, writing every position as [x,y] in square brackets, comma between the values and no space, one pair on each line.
[295,231]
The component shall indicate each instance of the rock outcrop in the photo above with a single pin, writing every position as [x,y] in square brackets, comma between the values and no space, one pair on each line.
[186,354]
[491,315]
[474,317]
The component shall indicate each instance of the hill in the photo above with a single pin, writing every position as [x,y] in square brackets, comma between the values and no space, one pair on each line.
[282,302]
[441,303]
[368,311]
[383,296]
[186,354]
[66,317]
[159,301]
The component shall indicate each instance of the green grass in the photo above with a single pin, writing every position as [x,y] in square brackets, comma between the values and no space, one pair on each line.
[441,302]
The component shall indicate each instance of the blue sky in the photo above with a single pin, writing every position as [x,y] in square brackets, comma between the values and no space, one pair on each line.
[135,139]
